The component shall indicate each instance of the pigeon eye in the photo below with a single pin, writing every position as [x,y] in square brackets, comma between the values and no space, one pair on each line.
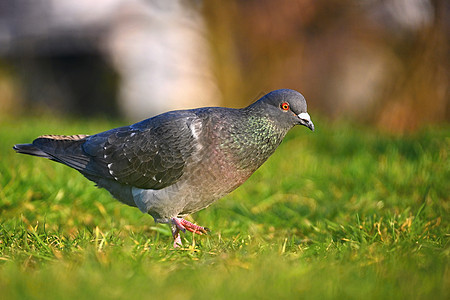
[285,106]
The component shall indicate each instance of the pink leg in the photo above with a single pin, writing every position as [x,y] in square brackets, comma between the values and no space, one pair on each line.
[176,237]
[179,224]
[184,225]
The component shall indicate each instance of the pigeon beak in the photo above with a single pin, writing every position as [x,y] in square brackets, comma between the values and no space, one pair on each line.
[305,120]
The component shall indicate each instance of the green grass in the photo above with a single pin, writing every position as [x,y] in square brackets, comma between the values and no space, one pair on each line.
[344,212]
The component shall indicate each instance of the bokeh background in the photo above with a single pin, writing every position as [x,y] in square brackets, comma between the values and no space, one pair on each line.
[358,209]
[380,62]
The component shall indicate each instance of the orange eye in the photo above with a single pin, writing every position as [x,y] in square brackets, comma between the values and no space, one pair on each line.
[284,106]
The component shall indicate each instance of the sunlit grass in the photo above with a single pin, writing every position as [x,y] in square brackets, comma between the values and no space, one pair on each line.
[344,212]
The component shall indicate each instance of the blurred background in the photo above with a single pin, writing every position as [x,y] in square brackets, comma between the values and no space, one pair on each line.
[380,62]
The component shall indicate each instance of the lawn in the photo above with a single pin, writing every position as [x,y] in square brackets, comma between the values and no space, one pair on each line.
[345,212]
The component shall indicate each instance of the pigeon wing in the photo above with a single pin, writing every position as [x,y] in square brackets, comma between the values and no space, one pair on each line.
[151,154]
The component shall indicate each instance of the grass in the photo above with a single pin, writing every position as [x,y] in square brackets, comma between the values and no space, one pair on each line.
[345,212]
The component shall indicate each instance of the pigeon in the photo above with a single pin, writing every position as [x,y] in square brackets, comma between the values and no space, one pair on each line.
[179,162]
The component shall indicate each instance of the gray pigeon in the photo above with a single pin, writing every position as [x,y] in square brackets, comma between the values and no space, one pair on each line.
[179,162]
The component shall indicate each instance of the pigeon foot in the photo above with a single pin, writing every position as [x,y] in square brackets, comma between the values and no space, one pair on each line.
[179,224]
[176,237]
[184,225]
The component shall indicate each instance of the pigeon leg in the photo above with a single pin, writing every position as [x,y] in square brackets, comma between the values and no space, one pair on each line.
[176,237]
[183,225]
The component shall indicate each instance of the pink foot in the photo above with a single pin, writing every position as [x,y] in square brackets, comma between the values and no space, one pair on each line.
[176,237]
[179,224]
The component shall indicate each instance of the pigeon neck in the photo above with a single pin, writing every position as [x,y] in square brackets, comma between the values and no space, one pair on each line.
[256,137]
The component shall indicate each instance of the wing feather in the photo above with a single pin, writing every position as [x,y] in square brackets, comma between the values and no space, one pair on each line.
[149,155]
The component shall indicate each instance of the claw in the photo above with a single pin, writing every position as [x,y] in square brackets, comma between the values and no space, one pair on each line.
[176,237]
[177,241]
[179,224]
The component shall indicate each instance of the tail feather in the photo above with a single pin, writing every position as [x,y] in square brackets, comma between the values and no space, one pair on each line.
[30,149]
[60,148]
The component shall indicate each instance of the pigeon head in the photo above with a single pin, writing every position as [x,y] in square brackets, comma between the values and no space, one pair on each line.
[288,107]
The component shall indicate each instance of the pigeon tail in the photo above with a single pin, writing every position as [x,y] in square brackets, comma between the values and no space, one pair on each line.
[60,148]
[30,149]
